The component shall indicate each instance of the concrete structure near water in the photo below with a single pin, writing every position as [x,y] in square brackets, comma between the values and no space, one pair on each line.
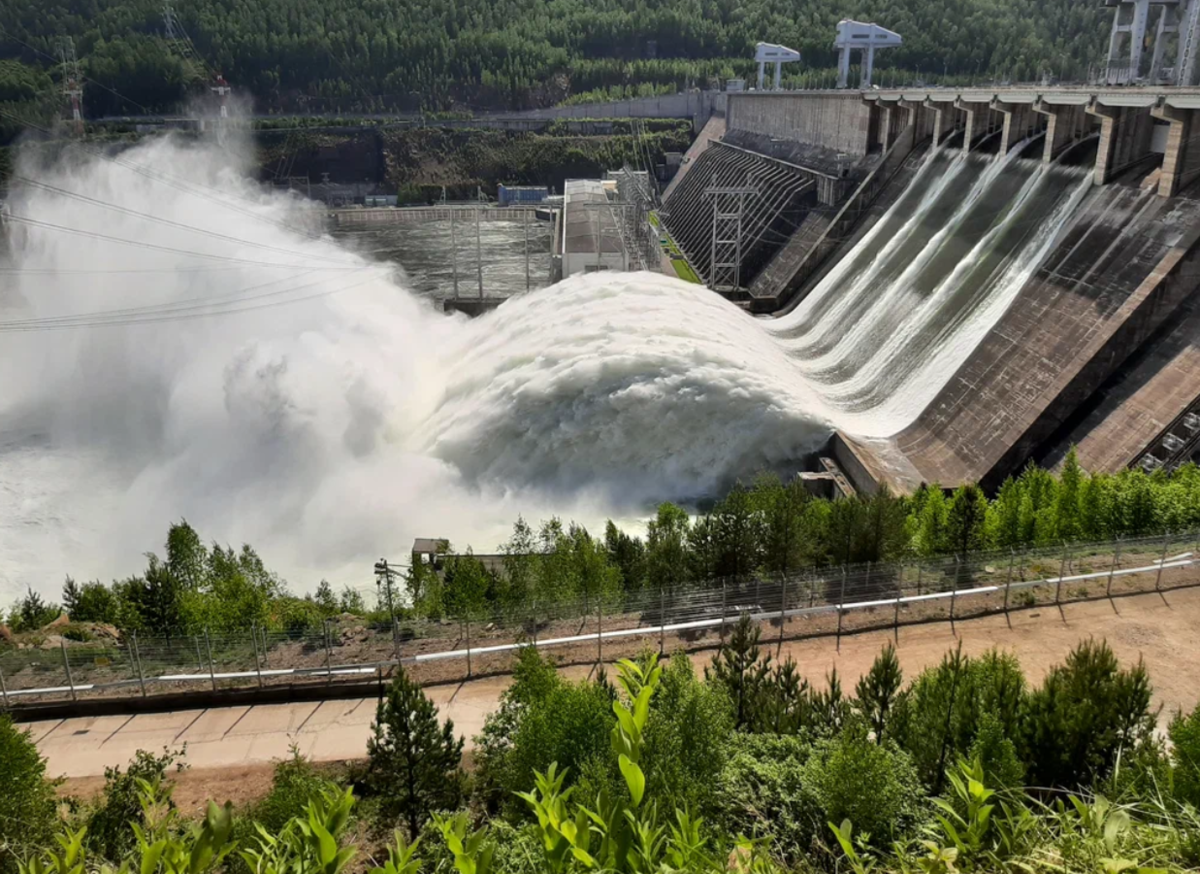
[1094,350]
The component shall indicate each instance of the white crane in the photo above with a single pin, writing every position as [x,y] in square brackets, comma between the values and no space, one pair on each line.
[866,37]
[768,53]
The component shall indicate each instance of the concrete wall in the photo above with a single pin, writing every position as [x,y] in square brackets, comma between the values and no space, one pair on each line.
[694,104]
[833,120]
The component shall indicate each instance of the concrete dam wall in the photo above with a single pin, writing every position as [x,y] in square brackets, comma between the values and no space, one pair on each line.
[1004,274]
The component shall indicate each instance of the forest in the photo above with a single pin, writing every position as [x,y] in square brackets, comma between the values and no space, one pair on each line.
[767,527]
[329,56]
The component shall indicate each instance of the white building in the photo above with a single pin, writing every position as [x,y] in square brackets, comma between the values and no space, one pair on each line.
[591,235]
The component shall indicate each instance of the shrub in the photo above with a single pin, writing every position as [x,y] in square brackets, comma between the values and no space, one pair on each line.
[687,736]
[27,803]
[32,613]
[296,782]
[108,831]
[760,792]
[1086,713]
[875,786]
[415,762]
[1184,732]
[938,717]
[543,719]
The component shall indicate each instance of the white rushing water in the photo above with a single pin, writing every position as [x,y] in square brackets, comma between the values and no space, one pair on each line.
[175,345]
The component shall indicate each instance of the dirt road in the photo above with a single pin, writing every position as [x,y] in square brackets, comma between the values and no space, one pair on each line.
[235,746]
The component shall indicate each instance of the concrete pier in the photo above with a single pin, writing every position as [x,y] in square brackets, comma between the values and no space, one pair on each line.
[1181,160]
[1065,126]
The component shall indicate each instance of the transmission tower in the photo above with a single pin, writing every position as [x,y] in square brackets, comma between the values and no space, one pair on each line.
[71,83]
[729,206]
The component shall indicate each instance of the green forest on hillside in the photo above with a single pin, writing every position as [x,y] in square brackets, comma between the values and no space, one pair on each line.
[331,55]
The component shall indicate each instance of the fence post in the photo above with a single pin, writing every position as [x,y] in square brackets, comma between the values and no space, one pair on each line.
[328,653]
[468,648]
[67,665]
[1012,556]
[920,569]
[662,621]
[812,588]
[954,590]
[257,663]
[396,639]
[899,595]
[867,582]
[264,647]
[599,631]
[137,659]
[3,690]
[1112,570]
[212,673]
[782,607]
[724,595]
[1062,570]
[841,603]
[199,657]
[535,623]
[1162,560]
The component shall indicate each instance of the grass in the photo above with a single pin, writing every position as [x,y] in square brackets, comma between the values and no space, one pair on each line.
[682,268]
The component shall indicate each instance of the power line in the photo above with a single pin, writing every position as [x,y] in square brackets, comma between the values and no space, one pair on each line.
[179,316]
[170,223]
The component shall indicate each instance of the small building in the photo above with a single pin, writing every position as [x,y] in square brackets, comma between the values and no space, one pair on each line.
[591,234]
[431,551]
[508,195]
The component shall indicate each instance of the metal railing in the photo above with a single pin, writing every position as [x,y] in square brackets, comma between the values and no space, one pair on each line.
[803,604]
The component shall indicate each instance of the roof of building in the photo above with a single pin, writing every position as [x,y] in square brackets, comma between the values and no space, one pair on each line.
[430,545]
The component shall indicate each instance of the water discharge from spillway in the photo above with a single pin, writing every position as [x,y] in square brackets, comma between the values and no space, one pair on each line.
[194,353]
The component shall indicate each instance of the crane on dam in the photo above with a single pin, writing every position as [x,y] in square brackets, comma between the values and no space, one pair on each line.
[769,53]
[866,37]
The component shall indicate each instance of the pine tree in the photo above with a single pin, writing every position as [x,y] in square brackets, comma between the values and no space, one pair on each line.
[1066,504]
[1005,515]
[877,690]
[931,530]
[325,600]
[415,762]
[743,669]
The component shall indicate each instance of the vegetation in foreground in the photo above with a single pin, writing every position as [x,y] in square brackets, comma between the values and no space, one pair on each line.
[767,528]
[747,769]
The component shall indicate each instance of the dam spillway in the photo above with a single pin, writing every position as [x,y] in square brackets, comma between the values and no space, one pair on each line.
[991,264]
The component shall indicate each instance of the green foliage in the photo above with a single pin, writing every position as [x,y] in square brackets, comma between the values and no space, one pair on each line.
[27,803]
[108,825]
[939,716]
[687,736]
[873,785]
[308,843]
[415,762]
[296,782]
[1086,712]
[877,690]
[91,602]
[1184,732]
[743,670]
[32,613]
[760,791]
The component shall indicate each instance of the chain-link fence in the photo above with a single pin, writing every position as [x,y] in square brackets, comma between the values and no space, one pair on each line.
[802,604]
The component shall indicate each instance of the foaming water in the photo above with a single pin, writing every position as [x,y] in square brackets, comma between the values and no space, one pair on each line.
[197,353]
[298,397]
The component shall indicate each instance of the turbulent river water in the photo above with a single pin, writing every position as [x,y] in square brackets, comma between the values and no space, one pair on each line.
[176,344]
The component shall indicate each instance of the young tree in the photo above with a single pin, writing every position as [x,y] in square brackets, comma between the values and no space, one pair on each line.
[91,602]
[877,690]
[325,600]
[965,521]
[743,670]
[27,804]
[1004,516]
[466,586]
[415,762]
[627,554]
[931,528]
[32,613]
[884,533]
[666,547]
[520,563]
[781,508]
[351,601]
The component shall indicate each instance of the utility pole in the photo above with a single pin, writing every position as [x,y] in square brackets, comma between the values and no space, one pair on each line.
[729,205]
[71,83]
[383,582]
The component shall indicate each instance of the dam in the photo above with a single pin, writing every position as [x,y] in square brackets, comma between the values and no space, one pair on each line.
[974,279]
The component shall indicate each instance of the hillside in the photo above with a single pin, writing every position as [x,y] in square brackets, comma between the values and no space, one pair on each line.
[342,55]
